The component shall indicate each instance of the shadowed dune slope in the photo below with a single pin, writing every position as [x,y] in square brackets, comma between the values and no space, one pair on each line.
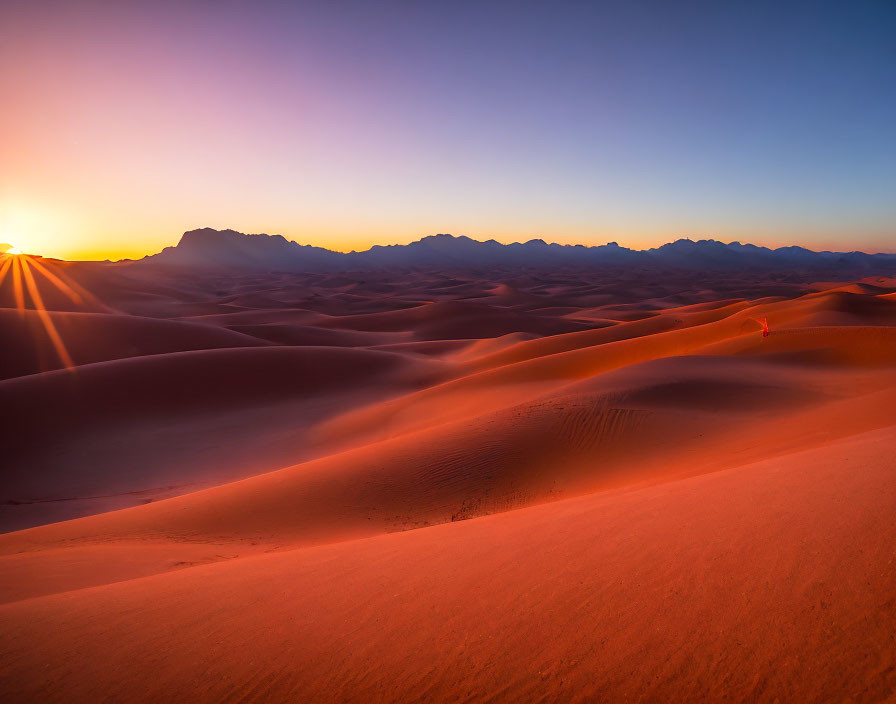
[97,337]
[455,319]
[161,423]
[306,335]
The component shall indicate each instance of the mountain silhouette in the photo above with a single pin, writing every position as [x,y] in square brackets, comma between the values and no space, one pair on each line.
[207,248]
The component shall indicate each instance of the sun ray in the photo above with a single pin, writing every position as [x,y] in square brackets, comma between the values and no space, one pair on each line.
[45,318]
[73,295]
[4,270]
[17,284]
[59,278]
[25,285]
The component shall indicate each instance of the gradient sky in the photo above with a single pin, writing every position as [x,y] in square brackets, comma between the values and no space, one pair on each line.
[345,124]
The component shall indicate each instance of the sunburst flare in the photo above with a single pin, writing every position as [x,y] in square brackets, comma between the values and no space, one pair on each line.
[21,269]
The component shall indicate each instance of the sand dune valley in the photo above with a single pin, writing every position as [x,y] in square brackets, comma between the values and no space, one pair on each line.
[443,480]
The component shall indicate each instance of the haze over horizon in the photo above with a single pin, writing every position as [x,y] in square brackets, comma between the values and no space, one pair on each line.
[352,125]
[479,239]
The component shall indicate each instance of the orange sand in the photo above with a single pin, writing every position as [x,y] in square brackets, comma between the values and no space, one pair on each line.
[445,488]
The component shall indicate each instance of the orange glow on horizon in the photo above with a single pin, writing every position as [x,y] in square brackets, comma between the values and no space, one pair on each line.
[114,251]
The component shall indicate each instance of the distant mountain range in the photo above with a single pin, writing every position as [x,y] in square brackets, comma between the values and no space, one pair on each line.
[226,249]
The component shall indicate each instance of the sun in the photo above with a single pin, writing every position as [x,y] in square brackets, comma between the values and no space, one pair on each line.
[14,250]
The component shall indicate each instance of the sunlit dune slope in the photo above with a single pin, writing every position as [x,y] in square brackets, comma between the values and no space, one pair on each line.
[753,584]
[529,368]
[828,309]
[641,425]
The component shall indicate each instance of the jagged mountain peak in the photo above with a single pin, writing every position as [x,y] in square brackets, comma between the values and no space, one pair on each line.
[229,249]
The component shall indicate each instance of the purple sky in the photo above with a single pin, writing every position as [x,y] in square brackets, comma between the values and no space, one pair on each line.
[345,124]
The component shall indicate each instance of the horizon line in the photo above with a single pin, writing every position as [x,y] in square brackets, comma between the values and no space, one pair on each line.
[539,238]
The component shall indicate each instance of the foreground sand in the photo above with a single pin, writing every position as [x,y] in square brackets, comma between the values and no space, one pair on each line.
[756,584]
[665,505]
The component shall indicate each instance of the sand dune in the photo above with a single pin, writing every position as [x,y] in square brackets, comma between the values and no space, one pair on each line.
[558,486]
[700,415]
[156,425]
[717,587]
[312,335]
[455,319]
[94,337]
